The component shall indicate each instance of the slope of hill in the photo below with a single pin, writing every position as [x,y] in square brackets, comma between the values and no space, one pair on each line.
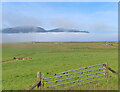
[66,30]
[37,29]
[23,30]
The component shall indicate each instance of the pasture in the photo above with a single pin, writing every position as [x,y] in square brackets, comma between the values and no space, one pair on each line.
[55,57]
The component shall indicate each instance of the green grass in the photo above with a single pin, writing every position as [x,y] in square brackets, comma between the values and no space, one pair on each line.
[54,58]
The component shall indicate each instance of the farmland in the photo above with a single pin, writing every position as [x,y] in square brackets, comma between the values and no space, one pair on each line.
[55,57]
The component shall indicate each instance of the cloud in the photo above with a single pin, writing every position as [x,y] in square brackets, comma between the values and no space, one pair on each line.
[94,22]
[102,27]
[49,18]
[17,19]
[64,23]
[76,21]
[53,37]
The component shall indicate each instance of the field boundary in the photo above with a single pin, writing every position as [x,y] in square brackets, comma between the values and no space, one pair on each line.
[72,78]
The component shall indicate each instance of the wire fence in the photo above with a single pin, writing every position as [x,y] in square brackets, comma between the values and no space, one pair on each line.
[73,78]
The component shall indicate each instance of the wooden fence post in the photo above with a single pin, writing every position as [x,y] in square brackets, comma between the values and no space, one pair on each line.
[38,83]
[39,80]
[106,70]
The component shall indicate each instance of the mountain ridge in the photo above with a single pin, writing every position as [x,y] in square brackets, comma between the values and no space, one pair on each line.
[38,30]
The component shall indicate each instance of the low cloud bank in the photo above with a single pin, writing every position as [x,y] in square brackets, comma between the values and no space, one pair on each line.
[57,37]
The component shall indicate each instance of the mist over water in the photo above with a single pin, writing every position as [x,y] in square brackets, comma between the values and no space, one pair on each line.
[57,37]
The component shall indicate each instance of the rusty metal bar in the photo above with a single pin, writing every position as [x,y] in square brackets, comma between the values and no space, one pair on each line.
[76,81]
[86,83]
[74,77]
[79,69]
[73,73]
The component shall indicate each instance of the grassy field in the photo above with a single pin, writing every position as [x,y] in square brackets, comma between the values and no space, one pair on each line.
[54,58]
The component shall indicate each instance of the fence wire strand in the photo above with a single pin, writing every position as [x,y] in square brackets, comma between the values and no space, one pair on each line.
[86,72]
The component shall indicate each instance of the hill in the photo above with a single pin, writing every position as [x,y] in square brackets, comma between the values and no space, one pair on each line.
[38,30]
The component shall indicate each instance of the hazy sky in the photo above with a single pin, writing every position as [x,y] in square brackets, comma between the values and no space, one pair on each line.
[97,18]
